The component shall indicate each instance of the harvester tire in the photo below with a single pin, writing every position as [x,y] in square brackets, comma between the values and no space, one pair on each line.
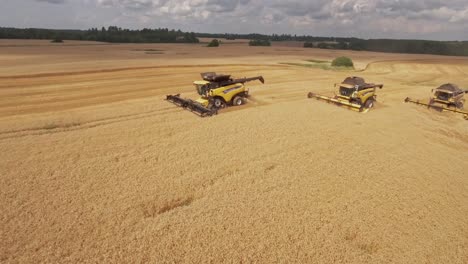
[219,103]
[238,100]
[369,103]
[459,105]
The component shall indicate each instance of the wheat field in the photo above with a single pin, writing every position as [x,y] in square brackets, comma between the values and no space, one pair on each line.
[97,167]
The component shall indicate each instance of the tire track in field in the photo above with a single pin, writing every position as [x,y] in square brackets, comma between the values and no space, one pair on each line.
[88,96]
[72,126]
[39,95]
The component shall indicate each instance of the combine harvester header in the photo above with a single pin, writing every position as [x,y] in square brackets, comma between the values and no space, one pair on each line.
[191,105]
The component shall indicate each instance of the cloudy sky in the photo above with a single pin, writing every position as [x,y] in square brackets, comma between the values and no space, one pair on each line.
[418,19]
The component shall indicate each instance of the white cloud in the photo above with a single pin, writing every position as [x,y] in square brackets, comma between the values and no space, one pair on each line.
[52,1]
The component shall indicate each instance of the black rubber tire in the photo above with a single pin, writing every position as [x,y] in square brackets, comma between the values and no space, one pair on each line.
[238,100]
[219,103]
[369,103]
[459,105]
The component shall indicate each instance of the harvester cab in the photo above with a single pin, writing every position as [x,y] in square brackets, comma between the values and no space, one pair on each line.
[202,87]
[447,97]
[442,95]
[353,93]
[216,91]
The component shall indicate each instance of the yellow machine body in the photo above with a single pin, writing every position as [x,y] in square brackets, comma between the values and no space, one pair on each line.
[448,97]
[438,107]
[224,93]
[353,94]
[216,92]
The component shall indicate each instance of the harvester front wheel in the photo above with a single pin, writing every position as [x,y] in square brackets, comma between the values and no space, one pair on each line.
[238,100]
[369,103]
[219,103]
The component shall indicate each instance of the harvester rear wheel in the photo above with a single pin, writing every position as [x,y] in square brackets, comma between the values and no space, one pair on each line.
[459,105]
[238,100]
[219,103]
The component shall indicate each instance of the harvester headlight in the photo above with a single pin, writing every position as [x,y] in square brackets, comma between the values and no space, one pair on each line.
[354,95]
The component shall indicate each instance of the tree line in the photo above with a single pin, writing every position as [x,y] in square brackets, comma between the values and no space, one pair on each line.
[452,48]
[115,34]
[111,34]
[273,37]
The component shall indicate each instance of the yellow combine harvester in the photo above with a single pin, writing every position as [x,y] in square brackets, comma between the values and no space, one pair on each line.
[353,93]
[216,91]
[447,97]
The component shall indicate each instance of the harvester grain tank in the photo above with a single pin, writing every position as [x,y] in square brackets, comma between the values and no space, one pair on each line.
[353,93]
[216,91]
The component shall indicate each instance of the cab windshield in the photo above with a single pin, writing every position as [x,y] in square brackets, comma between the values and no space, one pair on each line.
[201,88]
[344,91]
[443,96]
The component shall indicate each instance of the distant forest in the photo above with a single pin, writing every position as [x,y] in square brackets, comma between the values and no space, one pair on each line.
[115,34]
[451,48]
[112,34]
